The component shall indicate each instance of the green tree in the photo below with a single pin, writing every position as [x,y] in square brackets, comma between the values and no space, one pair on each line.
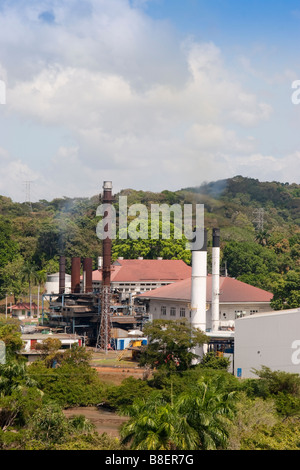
[170,344]
[279,381]
[262,237]
[48,425]
[156,425]
[122,396]
[209,408]
[73,383]
[196,419]
[287,292]
[10,334]
[14,376]
[162,241]
[11,276]
[211,360]
[249,258]
[8,251]
[30,275]
[253,416]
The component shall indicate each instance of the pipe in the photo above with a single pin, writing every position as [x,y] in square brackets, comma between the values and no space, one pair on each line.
[75,275]
[62,275]
[87,275]
[215,299]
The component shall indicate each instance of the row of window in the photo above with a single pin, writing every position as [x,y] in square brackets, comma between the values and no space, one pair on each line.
[138,284]
[182,312]
[242,313]
[172,311]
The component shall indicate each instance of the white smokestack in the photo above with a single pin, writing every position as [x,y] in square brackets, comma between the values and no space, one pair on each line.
[198,292]
[215,280]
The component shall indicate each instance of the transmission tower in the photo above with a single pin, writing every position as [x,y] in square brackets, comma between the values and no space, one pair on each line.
[259,218]
[104,334]
[27,194]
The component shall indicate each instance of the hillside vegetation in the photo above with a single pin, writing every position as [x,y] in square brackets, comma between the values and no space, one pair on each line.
[259,223]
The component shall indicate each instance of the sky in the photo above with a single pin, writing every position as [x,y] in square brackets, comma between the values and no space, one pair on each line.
[148,94]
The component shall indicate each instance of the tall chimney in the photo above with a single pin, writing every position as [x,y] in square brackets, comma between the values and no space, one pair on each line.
[198,292]
[75,275]
[87,275]
[103,340]
[62,275]
[215,299]
[106,243]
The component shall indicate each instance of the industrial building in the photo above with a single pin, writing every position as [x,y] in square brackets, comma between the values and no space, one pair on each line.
[30,341]
[52,283]
[93,312]
[134,276]
[271,339]
[236,300]
[106,306]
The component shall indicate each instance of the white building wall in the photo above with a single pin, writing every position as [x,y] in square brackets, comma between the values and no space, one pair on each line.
[271,340]
[228,312]
[165,309]
[52,283]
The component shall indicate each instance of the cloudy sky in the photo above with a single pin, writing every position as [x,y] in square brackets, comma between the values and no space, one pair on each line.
[150,94]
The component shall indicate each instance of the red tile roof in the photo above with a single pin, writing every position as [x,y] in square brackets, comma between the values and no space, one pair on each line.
[231,290]
[24,306]
[147,270]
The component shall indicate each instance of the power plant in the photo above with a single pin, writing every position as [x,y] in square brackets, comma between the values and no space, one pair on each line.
[95,313]
[235,316]
[84,310]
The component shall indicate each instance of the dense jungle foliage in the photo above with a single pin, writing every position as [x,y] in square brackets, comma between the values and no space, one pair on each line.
[259,223]
[201,407]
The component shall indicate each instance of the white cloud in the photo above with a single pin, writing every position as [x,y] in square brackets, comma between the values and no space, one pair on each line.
[141,107]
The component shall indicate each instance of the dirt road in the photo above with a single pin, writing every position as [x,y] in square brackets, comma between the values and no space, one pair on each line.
[104,421]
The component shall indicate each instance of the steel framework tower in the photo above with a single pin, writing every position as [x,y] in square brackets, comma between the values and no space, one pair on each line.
[104,334]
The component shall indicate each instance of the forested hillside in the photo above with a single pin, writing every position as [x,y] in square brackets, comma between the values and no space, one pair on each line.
[259,222]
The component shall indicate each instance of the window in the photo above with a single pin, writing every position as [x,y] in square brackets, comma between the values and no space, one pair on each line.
[252,312]
[173,312]
[163,310]
[182,312]
[239,313]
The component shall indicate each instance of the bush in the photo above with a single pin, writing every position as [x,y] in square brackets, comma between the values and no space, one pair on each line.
[122,396]
[212,360]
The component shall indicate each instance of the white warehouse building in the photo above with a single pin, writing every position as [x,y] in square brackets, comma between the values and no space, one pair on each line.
[269,339]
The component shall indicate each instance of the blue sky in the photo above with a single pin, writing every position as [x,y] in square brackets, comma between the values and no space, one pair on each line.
[151,94]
